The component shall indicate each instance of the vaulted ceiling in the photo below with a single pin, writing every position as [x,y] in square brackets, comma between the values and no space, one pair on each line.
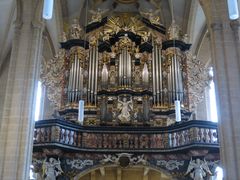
[188,14]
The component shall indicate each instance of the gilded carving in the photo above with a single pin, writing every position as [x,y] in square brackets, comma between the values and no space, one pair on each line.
[197,79]
[52,75]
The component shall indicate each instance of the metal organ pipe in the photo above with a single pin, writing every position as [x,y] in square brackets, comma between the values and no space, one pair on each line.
[122,60]
[160,74]
[176,78]
[81,82]
[96,76]
[77,80]
[128,60]
[157,74]
[153,69]
[70,85]
[173,80]
[93,74]
[120,69]
[170,82]
[124,67]
[180,82]
[128,69]
[74,78]
[89,74]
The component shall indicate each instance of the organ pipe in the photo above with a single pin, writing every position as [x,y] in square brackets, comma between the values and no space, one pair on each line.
[163,70]
[75,83]
[145,74]
[154,76]
[89,74]
[96,76]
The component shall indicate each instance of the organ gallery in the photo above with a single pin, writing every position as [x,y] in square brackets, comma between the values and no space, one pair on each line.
[124,89]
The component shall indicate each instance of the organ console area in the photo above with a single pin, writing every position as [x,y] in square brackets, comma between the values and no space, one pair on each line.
[127,70]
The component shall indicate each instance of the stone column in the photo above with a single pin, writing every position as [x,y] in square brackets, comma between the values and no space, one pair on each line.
[17,124]
[225,56]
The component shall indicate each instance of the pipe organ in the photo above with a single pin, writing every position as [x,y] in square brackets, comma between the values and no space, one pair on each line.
[130,73]
[127,70]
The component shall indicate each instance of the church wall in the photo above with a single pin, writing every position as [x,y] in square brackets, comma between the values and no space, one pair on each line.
[3,82]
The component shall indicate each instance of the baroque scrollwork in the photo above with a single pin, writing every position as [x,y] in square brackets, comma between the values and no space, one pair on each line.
[115,159]
[52,76]
[171,164]
[79,163]
[197,80]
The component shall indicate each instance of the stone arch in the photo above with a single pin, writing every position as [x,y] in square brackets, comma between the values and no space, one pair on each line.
[19,10]
[98,167]
[214,10]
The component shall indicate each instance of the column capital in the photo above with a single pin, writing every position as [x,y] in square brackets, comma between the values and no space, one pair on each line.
[38,24]
[235,25]
[216,26]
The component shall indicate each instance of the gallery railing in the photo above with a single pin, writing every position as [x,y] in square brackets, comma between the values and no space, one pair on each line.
[185,135]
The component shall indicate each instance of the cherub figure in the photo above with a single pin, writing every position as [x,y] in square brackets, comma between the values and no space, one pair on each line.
[51,169]
[97,15]
[145,36]
[152,16]
[198,169]
[75,30]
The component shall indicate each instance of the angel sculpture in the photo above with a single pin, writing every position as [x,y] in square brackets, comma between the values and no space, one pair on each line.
[75,30]
[146,36]
[152,16]
[97,15]
[198,169]
[51,169]
[125,107]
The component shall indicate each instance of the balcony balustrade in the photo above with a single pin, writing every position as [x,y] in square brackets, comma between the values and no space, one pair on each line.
[57,133]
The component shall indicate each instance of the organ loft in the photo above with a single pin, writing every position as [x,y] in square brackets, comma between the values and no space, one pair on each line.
[124,89]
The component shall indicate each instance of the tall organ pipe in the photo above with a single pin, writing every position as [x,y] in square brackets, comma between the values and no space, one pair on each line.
[70,85]
[153,69]
[127,61]
[157,73]
[89,74]
[124,66]
[74,78]
[96,76]
[78,80]
[120,69]
[169,83]
[81,82]
[176,78]
[128,68]
[94,73]
[160,74]
[173,79]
